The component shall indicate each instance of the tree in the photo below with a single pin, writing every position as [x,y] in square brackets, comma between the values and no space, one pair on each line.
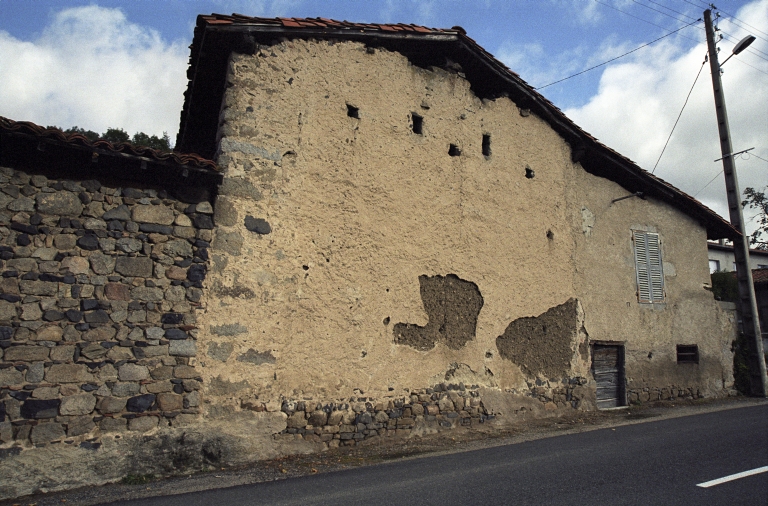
[757,200]
[90,134]
[118,135]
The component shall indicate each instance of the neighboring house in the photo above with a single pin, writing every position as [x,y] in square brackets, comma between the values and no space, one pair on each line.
[721,258]
[760,278]
[399,236]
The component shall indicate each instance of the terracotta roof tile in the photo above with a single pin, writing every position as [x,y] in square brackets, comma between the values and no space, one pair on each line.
[760,275]
[29,128]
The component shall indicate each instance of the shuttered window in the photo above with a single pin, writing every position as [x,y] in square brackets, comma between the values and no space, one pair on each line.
[650,277]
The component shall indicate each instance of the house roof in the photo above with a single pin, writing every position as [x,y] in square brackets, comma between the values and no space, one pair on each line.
[759,276]
[75,140]
[27,146]
[729,248]
[217,36]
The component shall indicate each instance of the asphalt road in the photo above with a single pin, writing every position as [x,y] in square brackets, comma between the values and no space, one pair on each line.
[649,463]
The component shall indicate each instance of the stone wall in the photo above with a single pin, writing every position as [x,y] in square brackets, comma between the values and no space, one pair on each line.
[100,287]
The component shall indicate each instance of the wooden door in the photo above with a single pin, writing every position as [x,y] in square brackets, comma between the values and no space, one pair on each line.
[608,370]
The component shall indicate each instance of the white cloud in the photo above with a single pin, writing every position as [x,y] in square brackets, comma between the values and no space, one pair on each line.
[640,97]
[92,68]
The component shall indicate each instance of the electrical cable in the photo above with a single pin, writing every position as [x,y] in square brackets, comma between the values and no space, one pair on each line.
[740,21]
[706,5]
[673,10]
[660,12]
[632,15]
[756,156]
[617,57]
[710,182]
[679,115]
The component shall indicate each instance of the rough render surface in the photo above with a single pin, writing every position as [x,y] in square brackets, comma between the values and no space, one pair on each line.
[452,306]
[551,345]
[359,208]
[355,209]
[606,286]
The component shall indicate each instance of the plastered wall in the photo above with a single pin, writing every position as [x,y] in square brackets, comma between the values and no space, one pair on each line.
[605,283]
[358,209]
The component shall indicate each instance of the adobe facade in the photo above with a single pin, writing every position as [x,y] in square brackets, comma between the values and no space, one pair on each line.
[381,250]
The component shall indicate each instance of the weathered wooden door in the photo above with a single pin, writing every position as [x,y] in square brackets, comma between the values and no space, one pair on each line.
[608,370]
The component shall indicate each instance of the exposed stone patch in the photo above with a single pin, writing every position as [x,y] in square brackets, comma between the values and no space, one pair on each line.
[452,305]
[220,386]
[258,225]
[225,213]
[220,351]
[542,344]
[236,187]
[257,358]
[229,242]
[231,329]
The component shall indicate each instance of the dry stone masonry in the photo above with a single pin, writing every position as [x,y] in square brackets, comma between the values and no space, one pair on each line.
[100,287]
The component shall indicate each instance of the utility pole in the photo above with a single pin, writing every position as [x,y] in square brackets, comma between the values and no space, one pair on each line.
[747,301]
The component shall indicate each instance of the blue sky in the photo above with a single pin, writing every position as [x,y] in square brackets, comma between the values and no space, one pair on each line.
[104,63]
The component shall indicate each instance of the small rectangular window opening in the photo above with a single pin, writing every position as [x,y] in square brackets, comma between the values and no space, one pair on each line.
[486,145]
[454,150]
[353,112]
[687,354]
[418,122]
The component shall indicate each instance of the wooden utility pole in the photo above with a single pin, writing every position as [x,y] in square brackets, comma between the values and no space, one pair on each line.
[747,301]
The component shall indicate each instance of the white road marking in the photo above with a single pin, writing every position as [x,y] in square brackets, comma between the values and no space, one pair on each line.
[732,477]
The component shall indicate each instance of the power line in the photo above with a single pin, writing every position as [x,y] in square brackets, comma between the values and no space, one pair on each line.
[679,115]
[645,20]
[620,56]
[661,12]
[740,21]
[752,154]
[696,5]
[673,10]
[710,182]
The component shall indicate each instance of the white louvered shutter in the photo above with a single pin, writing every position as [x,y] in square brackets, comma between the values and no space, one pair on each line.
[648,263]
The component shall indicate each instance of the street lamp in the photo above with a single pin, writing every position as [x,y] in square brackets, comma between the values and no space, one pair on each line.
[747,301]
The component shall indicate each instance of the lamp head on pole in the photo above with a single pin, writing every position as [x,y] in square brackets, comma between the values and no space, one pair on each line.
[741,46]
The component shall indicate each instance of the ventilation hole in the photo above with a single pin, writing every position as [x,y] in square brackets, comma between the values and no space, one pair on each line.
[418,122]
[486,145]
[386,320]
[550,235]
[687,354]
[454,150]
[529,172]
[305,267]
[353,112]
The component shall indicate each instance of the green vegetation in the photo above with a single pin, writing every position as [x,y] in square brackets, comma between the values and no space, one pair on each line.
[117,135]
[137,479]
[741,379]
[757,200]
[725,287]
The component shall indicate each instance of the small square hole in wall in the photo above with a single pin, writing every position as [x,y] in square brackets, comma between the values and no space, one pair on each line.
[687,354]
[418,123]
[486,145]
[454,150]
[353,112]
